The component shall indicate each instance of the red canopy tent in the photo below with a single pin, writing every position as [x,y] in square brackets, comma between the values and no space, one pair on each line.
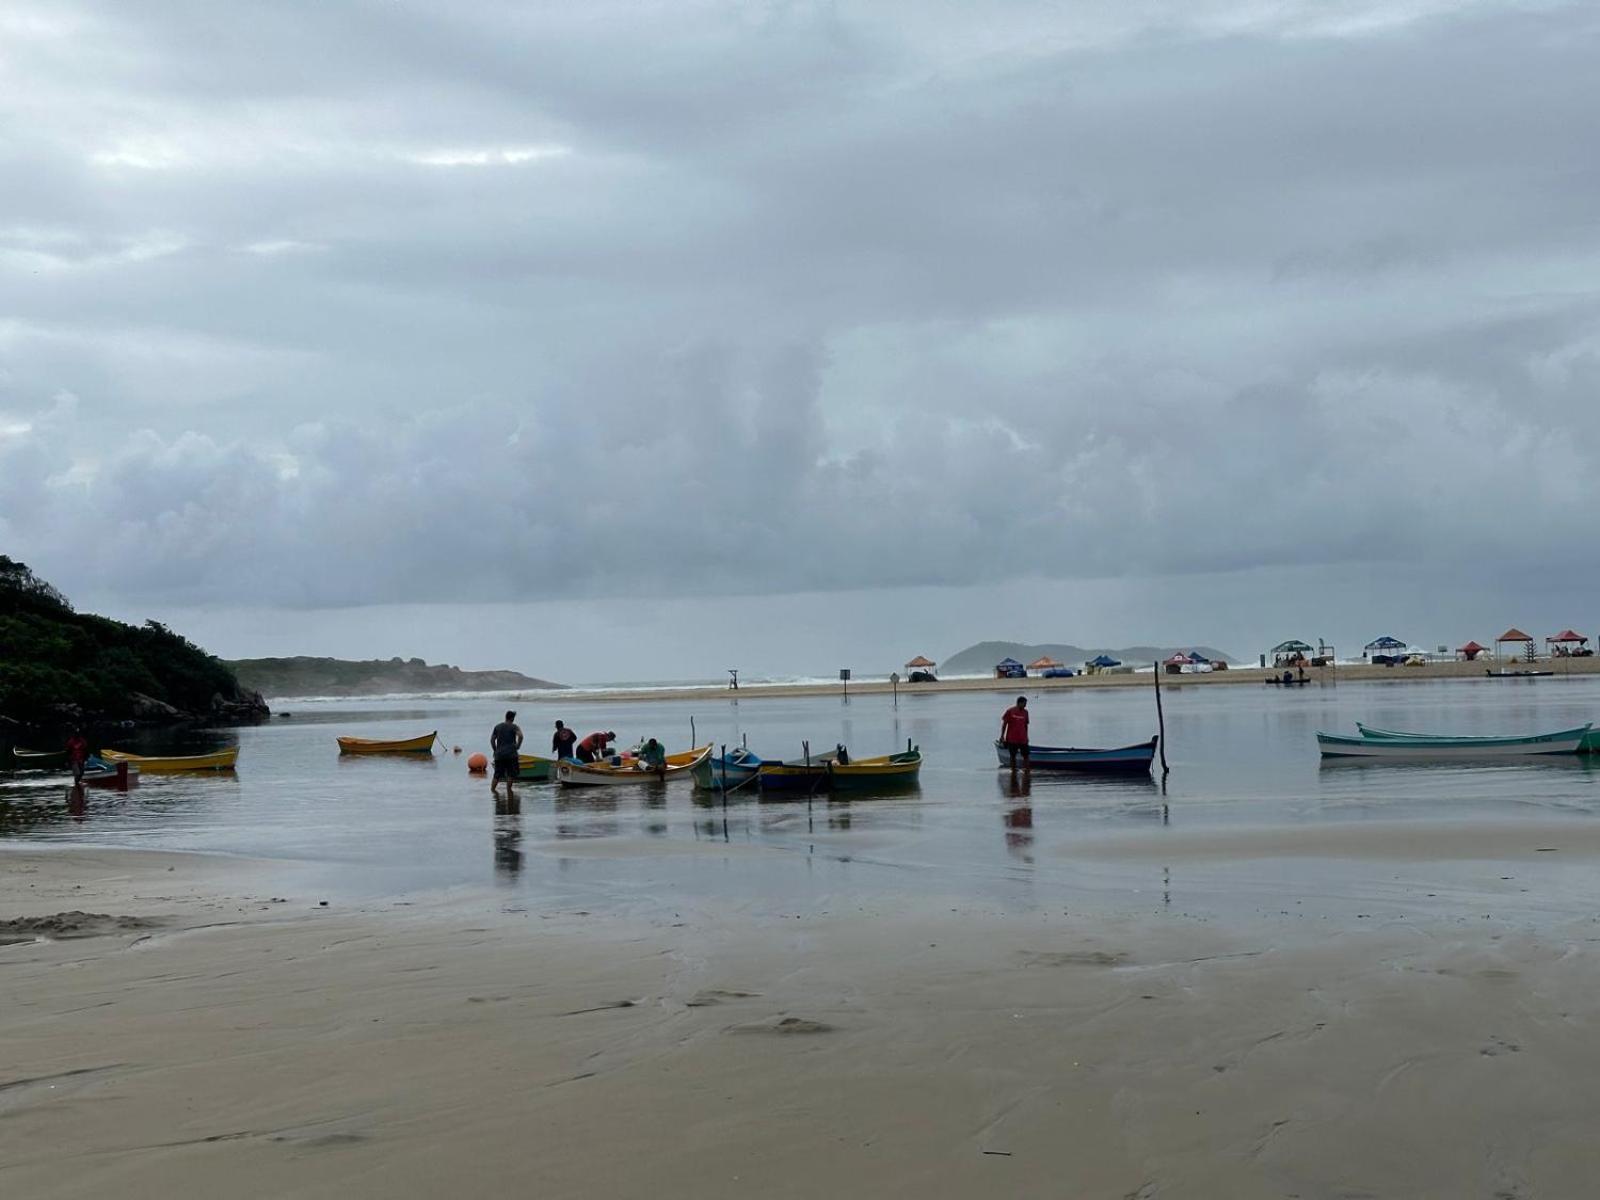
[1515,635]
[1566,642]
[1470,652]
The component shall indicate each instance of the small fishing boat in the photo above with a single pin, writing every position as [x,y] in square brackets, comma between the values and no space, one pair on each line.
[36,760]
[629,770]
[1516,674]
[804,776]
[731,770]
[221,760]
[422,744]
[884,771]
[1446,749]
[1131,759]
[1589,745]
[120,776]
[534,768]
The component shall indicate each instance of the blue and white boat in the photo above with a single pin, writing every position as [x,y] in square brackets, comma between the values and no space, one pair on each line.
[733,769]
[1132,759]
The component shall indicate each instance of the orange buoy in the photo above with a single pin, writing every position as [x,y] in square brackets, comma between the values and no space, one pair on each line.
[478,764]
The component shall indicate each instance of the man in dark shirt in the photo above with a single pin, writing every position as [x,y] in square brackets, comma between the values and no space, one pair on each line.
[504,743]
[1014,731]
[561,745]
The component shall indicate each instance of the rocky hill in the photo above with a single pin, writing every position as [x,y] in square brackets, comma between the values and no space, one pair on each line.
[341,677]
[60,666]
[980,659]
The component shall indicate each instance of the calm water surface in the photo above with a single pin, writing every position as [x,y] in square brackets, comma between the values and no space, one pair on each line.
[1242,756]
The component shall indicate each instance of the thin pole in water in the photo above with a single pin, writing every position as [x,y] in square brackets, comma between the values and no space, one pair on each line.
[692,742]
[1161,724]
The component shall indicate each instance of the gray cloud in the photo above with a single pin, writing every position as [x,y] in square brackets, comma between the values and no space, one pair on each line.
[356,304]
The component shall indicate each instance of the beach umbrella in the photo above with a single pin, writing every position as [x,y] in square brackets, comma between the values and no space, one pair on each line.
[1044,663]
[919,663]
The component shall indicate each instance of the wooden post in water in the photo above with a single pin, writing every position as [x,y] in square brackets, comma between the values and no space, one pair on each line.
[692,742]
[724,778]
[1161,725]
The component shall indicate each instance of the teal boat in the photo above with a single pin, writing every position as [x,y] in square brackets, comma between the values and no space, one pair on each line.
[730,770]
[1589,745]
[1426,747]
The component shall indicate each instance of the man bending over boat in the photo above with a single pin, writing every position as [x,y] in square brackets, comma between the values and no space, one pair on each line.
[505,741]
[593,747]
[1014,731]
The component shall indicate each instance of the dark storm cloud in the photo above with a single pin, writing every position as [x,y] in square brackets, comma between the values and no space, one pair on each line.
[347,304]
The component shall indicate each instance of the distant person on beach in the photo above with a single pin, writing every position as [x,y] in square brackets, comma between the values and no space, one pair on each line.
[564,740]
[654,755]
[505,741]
[1014,731]
[77,754]
[593,747]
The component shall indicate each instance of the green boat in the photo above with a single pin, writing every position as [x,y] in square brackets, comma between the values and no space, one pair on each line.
[532,768]
[1589,745]
[1421,747]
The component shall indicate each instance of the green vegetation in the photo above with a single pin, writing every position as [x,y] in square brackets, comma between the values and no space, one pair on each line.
[341,677]
[57,664]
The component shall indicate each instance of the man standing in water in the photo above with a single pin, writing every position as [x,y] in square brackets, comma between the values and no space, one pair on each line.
[562,743]
[1014,732]
[504,743]
[77,754]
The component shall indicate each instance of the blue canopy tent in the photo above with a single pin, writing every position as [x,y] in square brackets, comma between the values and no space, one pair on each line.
[1385,651]
[1196,657]
[1010,668]
[1104,660]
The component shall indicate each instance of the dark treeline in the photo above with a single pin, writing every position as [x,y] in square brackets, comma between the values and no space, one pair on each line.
[58,665]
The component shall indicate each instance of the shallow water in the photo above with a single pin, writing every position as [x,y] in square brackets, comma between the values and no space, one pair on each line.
[1242,758]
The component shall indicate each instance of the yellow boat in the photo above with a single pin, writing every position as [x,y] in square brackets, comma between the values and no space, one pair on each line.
[222,760]
[535,768]
[416,745]
[604,774]
[886,770]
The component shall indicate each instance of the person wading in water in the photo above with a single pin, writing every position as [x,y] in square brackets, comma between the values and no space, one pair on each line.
[505,741]
[1014,732]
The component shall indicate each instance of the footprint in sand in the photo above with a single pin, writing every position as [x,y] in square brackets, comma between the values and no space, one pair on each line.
[711,996]
[1073,958]
[786,1025]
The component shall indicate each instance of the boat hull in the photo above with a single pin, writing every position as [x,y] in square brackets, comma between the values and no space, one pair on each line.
[873,774]
[730,771]
[1589,745]
[681,765]
[422,744]
[535,768]
[38,759]
[1113,760]
[115,777]
[1445,749]
[222,760]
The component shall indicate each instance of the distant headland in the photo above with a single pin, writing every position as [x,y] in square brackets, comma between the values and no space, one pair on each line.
[302,676]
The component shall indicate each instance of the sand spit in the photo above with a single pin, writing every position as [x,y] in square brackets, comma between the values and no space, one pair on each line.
[1253,676]
[451,1049]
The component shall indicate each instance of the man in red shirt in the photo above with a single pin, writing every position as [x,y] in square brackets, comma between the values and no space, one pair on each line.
[1014,731]
[593,747]
[77,753]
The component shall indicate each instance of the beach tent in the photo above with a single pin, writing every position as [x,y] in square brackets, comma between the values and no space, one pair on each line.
[1386,649]
[1567,642]
[1044,663]
[920,670]
[1176,663]
[1470,652]
[1288,653]
[1104,660]
[1515,635]
[1010,668]
[919,663]
[1196,657]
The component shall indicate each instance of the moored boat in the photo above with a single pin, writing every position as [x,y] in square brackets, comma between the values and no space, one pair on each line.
[221,760]
[883,771]
[1118,759]
[535,768]
[1421,748]
[629,770]
[1589,745]
[38,759]
[803,776]
[119,776]
[422,744]
[734,769]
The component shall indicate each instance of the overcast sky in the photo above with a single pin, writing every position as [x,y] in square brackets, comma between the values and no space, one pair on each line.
[619,340]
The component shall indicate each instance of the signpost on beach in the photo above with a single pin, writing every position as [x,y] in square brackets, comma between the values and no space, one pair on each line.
[844,678]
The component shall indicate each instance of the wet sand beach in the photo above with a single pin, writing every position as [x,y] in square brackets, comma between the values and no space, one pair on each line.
[1434,1042]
